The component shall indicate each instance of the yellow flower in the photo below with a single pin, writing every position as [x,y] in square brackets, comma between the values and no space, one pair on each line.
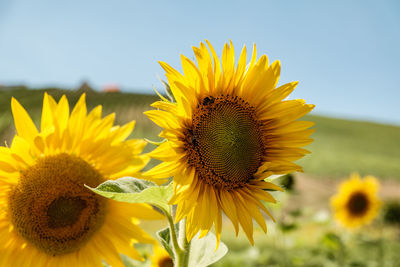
[356,203]
[161,258]
[228,130]
[47,216]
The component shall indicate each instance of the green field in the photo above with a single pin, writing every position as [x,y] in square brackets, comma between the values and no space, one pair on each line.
[344,146]
[340,147]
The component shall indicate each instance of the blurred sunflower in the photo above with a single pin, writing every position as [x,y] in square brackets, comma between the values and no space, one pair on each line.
[228,130]
[356,202]
[161,258]
[47,216]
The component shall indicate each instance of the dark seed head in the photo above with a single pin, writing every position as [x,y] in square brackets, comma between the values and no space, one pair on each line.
[208,100]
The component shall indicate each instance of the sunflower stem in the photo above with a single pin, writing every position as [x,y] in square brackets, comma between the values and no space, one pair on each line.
[184,244]
[182,247]
[177,250]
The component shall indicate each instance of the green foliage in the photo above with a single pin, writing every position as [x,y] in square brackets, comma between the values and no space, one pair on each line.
[164,236]
[125,185]
[391,212]
[331,250]
[286,227]
[287,182]
[203,251]
[132,190]
[332,241]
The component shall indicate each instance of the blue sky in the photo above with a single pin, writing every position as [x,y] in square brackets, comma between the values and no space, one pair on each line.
[345,54]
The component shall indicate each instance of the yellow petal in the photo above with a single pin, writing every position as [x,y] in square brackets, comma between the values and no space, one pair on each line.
[253,210]
[162,118]
[49,107]
[217,66]
[121,133]
[167,106]
[23,123]
[20,150]
[244,218]
[62,114]
[228,206]
[163,170]
[241,67]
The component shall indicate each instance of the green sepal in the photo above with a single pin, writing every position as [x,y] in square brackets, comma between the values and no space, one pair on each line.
[156,143]
[168,91]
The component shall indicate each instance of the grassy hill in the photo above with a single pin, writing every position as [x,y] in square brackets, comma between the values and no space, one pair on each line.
[340,147]
[343,146]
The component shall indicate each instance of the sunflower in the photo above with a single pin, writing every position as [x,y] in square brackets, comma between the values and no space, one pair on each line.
[228,130]
[161,258]
[47,216]
[356,203]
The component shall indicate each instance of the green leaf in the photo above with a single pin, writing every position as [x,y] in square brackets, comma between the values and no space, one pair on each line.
[202,251]
[133,190]
[164,235]
[287,227]
[125,185]
[332,241]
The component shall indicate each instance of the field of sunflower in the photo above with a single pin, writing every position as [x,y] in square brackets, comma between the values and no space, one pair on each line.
[305,233]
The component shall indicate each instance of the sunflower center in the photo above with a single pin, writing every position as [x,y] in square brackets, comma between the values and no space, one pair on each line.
[65,211]
[166,262]
[225,142]
[358,203]
[51,209]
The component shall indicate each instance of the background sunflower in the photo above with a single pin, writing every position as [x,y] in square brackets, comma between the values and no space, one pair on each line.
[356,202]
[161,258]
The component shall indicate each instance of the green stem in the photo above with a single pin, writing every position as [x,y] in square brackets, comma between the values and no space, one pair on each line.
[181,247]
[174,238]
[184,244]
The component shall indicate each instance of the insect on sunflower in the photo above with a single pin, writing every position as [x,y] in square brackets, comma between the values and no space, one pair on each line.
[356,202]
[228,130]
[47,216]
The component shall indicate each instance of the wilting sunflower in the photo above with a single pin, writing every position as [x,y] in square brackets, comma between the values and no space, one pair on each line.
[47,216]
[229,129]
[356,203]
[161,258]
